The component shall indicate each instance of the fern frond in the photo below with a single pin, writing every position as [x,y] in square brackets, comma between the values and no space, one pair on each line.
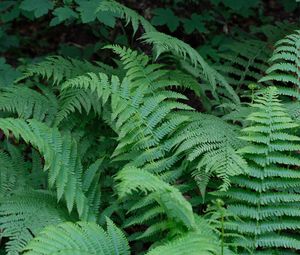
[174,204]
[59,69]
[73,99]
[126,13]
[166,43]
[244,62]
[285,69]
[267,197]
[212,145]
[61,162]
[20,220]
[82,238]
[28,103]
[201,241]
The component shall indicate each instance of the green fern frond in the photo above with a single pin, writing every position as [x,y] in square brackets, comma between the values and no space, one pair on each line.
[166,43]
[59,69]
[10,177]
[126,13]
[61,162]
[212,145]
[71,100]
[175,205]
[244,62]
[20,220]
[80,238]
[201,241]
[28,103]
[285,69]
[267,197]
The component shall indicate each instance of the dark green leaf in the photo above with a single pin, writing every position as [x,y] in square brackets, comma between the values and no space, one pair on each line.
[165,17]
[40,7]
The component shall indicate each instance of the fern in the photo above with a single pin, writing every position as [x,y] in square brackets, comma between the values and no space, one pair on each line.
[125,13]
[10,175]
[165,43]
[58,69]
[60,153]
[284,71]
[133,100]
[148,134]
[244,62]
[85,142]
[28,103]
[272,181]
[171,200]
[81,238]
[74,99]
[20,221]
[201,241]
[211,145]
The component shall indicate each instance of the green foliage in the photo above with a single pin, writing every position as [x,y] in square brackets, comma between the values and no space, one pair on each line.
[7,74]
[79,238]
[165,17]
[39,8]
[165,43]
[105,117]
[201,241]
[20,220]
[284,71]
[166,195]
[60,155]
[265,198]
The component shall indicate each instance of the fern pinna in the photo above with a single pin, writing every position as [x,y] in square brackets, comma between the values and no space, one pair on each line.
[266,200]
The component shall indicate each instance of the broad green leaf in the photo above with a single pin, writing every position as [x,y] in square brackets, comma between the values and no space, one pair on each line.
[194,23]
[107,18]
[88,13]
[61,14]
[165,17]
[40,7]
[87,10]
[7,74]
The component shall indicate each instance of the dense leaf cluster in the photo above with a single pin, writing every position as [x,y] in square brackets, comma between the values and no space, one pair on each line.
[103,150]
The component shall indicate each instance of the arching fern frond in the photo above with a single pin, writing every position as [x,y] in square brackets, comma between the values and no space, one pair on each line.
[29,103]
[126,13]
[71,100]
[58,69]
[20,220]
[166,43]
[211,146]
[61,161]
[202,241]
[81,238]
[170,199]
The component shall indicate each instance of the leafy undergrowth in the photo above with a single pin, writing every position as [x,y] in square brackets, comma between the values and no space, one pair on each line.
[164,127]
